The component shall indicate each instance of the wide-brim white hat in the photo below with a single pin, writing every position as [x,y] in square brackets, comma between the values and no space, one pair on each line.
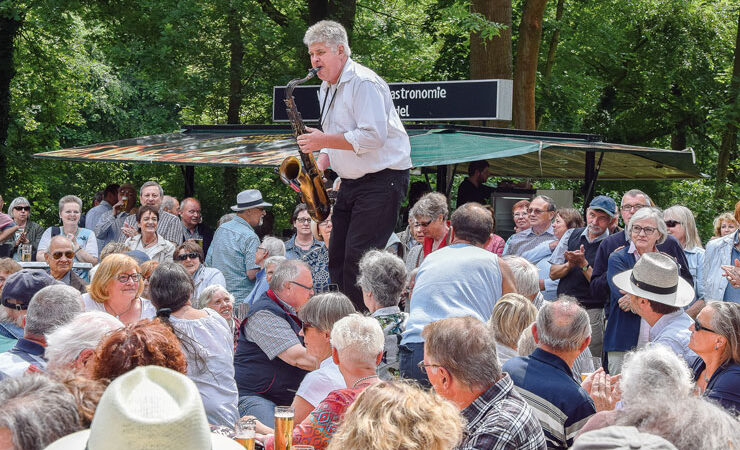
[148,408]
[251,198]
[655,277]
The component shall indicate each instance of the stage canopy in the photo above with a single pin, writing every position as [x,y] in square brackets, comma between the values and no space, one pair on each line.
[511,153]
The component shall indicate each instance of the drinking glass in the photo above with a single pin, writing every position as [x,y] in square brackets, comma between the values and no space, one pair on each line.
[284,427]
[245,432]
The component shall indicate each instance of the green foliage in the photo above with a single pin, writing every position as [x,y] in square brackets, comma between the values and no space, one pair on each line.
[644,72]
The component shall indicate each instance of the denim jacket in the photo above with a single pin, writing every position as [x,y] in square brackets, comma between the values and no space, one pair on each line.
[717,254]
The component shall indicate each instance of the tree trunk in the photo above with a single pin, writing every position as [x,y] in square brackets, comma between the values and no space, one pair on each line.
[343,11]
[492,59]
[317,10]
[550,62]
[525,69]
[236,46]
[8,31]
[728,148]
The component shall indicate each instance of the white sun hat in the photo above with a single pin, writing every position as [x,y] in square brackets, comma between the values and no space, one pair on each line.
[148,408]
[655,277]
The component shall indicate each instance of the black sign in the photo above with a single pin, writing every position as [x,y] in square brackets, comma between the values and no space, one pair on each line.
[431,100]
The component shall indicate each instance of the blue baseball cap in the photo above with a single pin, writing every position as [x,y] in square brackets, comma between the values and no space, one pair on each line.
[604,203]
[21,286]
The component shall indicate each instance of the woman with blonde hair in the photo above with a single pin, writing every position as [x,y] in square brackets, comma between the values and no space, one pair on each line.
[397,415]
[724,224]
[511,315]
[681,225]
[116,289]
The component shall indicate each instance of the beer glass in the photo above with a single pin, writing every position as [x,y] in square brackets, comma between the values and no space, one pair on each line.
[284,427]
[244,433]
[199,241]
[25,251]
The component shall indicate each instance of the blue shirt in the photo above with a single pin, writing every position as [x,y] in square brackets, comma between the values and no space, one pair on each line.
[557,399]
[455,281]
[539,256]
[672,330]
[94,215]
[293,251]
[720,252]
[233,252]
[724,385]
[527,240]
[695,257]
[260,287]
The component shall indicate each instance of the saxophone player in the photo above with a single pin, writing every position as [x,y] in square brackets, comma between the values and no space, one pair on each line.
[365,143]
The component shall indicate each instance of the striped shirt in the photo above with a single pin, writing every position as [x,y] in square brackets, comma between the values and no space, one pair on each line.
[527,240]
[501,419]
[558,400]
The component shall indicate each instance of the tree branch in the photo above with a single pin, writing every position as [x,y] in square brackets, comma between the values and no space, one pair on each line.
[272,12]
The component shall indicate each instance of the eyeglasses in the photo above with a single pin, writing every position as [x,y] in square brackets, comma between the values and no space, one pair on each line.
[184,256]
[637,229]
[125,277]
[69,254]
[306,325]
[536,212]
[698,327]
[672,223]
[303,220]
[262,248]
[520,214]
[628,208]
[423,224]
[325,223]
[423,367]
[308,288]
[22,208]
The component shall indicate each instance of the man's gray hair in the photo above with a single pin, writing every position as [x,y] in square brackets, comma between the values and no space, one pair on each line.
[168,202]
[635,193]
[322,311]
[382,274]
[18,201]
[689,422]
[85,331]
[655,371]
[151,183]
[274,246]
[37,410]
[51,307]
[466,347]
[274,261]
[551,206]
[70,199]
[358,338]
[330,33]
[202,300]
[648,212]
[431,205]
[526,275]
[563,324]
[286,272]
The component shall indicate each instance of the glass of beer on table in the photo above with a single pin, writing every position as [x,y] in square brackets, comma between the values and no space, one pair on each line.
[284,427]
[25,251]
[245,432]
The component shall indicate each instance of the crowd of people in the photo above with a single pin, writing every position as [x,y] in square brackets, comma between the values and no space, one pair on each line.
[152,330]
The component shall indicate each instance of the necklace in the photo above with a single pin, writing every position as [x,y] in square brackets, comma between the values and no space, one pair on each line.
[118,316]
[363,379]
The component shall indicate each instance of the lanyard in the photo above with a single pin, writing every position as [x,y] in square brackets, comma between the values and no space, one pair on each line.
[331,102]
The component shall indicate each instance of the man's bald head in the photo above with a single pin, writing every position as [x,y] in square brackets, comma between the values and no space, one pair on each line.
[563,325]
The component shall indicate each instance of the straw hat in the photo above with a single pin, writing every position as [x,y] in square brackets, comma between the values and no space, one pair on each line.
[655,277]
[146,408]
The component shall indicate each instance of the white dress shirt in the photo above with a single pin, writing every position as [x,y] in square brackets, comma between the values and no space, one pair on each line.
[359,105]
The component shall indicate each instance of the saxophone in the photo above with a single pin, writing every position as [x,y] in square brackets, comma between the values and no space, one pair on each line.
[305,178]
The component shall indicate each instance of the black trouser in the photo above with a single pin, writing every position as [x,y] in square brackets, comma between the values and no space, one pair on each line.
[364,217]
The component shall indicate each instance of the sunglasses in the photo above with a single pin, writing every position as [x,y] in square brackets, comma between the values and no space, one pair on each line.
[69,254]
[125,277]
[699,327]
[308,288]
[672,223]
[424,224]
[185,256]
[22,208]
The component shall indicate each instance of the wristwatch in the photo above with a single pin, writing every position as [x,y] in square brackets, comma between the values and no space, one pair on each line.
[585,268]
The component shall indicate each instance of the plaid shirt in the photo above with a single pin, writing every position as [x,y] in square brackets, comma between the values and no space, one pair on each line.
[501,419]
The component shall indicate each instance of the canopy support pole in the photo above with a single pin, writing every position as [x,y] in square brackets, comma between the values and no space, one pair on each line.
[442,178]
[590,177]
[188,174]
